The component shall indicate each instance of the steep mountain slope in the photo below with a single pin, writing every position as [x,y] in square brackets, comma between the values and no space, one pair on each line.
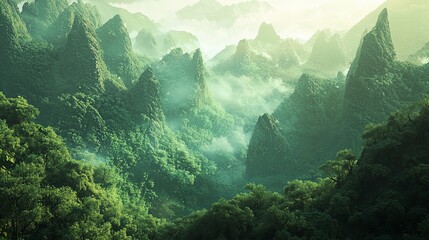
[182,80]
[267,56]
[376,83]
[156,45]
[40,14]
[57,32]
[326,115]
[13,35]
[382,195]
[117,50]
[82,66]
[408,35]
[306,119]
[144,97]
[267,34]
[328,55]
[268,150]
[134,21]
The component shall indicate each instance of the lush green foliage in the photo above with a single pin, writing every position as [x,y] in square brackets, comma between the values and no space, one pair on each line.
[46,194]
[138,141]
[383,196]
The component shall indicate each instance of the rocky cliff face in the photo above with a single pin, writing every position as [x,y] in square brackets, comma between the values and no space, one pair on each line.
[409,23]
[377,52]
[268,149]
[373,88]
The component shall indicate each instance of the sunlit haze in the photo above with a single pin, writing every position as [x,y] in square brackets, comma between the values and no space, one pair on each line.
[291,18]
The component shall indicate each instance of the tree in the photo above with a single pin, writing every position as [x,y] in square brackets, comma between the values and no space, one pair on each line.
[337,170]
[21,194]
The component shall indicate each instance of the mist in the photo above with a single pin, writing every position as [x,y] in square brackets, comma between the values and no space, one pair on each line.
[292,19]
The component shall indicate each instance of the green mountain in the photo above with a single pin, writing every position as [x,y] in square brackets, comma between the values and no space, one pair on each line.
[82,67]
[144,97]
[185,40]
[117,50]
[40,14]
[408,36]
[133,21]
[328,55]
[57,32]
[381,195]
[420,57]
[243,62]
[182,81]
[266,56]
[324,115]
[288,54]
[377,53]
[13,35]
[268,149]
[13,30]
[186,101]
[48,194]
[267,34]
[376,83]
[157,45]
[147,44]
[306,119]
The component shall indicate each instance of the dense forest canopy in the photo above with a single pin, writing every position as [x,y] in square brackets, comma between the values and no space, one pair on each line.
[114,126]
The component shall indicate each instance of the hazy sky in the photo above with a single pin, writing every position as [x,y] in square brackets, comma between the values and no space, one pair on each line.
[291,18]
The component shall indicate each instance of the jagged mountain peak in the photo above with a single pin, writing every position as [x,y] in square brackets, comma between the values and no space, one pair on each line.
[267,34]
[267,122]
[12,29]
[243,53]
[144,97]
[376,53]
[82,65]
[117,50]
[243,47]
[197,61]
[383,21]
[38,15]
[267,150]
[57,32]
[114,37]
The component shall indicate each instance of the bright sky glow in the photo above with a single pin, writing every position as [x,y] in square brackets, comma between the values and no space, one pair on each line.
[291,18]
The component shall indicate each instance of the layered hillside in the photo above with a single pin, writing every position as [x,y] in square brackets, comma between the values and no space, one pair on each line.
[307,120]
[156,45]
[326,115]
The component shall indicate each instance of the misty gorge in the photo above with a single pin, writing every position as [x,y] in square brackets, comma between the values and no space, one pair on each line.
[214,119]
